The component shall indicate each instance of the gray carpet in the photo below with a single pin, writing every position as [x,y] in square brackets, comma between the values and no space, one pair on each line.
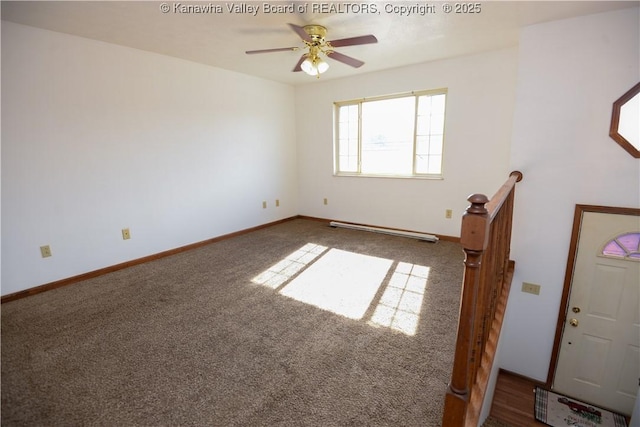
[190,340]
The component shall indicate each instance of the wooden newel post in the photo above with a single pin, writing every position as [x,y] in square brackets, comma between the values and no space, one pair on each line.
[473,237]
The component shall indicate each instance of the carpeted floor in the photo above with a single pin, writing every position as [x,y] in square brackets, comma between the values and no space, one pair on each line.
[191,340]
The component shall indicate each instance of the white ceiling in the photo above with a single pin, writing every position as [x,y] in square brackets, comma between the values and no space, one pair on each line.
[220,39]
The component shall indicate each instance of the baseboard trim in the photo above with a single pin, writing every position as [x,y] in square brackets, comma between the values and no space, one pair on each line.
[508,373]
[106,270]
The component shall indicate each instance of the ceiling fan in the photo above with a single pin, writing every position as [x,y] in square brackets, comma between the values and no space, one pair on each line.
[313,37]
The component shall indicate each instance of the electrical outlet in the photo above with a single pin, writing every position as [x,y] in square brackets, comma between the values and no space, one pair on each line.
[448,213]
[264,205]
[126,234]
[45,251]
[325,201]
[277,203]
[531,288]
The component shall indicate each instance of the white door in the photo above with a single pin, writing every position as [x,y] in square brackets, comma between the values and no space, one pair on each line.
[599,358]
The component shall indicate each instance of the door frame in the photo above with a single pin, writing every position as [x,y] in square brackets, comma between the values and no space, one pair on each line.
[568,277]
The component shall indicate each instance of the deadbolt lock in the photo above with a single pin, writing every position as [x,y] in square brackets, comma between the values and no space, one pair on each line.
[573,322]
[576,309]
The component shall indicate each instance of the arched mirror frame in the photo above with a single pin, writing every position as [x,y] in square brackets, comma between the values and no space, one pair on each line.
[615,120]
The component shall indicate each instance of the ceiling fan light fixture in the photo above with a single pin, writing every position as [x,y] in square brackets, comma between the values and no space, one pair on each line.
[322,66]
[314,66]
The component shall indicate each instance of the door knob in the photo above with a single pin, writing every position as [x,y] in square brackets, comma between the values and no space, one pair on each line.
[576,309]
[573,322]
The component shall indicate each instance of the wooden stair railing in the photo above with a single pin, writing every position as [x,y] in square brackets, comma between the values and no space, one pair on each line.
[488,271]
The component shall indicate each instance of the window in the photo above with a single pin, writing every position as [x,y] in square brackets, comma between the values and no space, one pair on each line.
[400,135]
[625,246]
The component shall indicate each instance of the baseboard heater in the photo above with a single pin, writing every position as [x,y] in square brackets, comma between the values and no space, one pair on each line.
[411,234]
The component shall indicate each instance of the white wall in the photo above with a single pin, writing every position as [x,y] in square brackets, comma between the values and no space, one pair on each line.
[570,73]
[98,137]
[635,416]
[477,135]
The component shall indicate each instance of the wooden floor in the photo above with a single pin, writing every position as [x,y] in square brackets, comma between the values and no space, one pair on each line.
[514,399]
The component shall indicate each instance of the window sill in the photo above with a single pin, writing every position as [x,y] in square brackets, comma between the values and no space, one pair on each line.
[362,175]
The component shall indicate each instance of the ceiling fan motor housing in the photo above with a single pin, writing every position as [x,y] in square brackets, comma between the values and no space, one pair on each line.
[317,33]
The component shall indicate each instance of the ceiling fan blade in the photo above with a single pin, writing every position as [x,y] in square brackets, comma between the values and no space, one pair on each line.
[279,49]
[352,41]
[345,59]
[301,32]
[300,61]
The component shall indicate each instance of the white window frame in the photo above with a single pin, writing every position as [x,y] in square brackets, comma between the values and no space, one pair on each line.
[416,94]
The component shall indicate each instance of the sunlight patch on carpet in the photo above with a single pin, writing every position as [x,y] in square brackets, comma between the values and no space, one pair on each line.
[347,283]
[342,282]
[400,305]
[280,273]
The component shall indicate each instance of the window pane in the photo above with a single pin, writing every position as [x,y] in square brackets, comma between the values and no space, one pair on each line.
[626,245]
[429,134]
[613,249]
[387,136]
[437,124]
[631,241]
[422,163]
[348,138]
[437,103]
[435,164]
[423,125]
[349,163]
[435,144]
[349,113]
[422,145]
